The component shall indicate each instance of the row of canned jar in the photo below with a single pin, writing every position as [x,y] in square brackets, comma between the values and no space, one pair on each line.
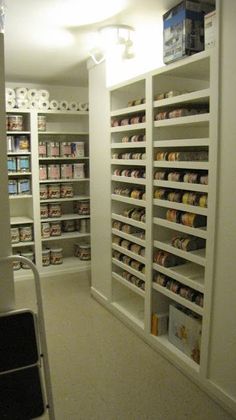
[61,149]
[18,164]
[21,234]
[19,186]
[54,256]
[54,191]
[52,229]
[18,123]
[55,209]
[64,171]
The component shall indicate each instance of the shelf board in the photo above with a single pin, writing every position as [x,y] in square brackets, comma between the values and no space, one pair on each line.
[17,133]
[22,244]
[128,110]
[128,200]
[62,200]
[69,265]
[72,216]
[20,220]
[19,173]
[188,274]
[18,153]
[59,181]
[66,235]
[199,232]
[181,165]
[129,162]
[20,197]
[182,207]
[17,111]
[129,269]
[197,257]
[63,158]
[131,309]
[128,221]
[179,299]
[129,180]
[199,96]
[191,120]
[129,253]
[182,142]
[128,284]
[61,133]
[188,186]
[129,145]
[59,112]
[129,237]
[128,127]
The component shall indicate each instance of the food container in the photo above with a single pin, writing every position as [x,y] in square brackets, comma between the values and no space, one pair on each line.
[82,207]
[42,172]
[66,171]
[77,149]
[78,171]
[68,225]
[43,211]
[10,144]
[56,256]
[54,210]
[23,186]
[42,122]
[12,187]
[55,228]
[53,191]
[53,149]
[42,149]
[30,256]
[6,122]
[66,191]
[83,226]
[65,149]
[22,144]
[11,164]
[45,230]
[23,164]
[84,252]
[15,235]
[43,192]
[26,233]
[53,171]
[45,257]
[16,265]
[15,122]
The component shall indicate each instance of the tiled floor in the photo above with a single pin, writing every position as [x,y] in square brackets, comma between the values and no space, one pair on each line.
[101,370]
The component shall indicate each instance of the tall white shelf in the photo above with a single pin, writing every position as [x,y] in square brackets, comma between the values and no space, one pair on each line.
[61,126]
[195,80]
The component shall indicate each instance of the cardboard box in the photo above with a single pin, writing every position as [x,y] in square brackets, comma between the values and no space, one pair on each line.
[210,30]
[183,29]
[159,324]
[185,332]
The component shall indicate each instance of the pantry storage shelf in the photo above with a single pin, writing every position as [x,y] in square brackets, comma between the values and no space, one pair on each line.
[63,133]
[179,206]
[20,196]
[199,232]
[130,127]
[61,158]
[70,265]
[129,162]
[188,274]
[21,220]
[65,217]
[50,181]
[130,270]
[129,253]
[22,244]
[198,142]
[127,284]
[198,256]
[129,180]
[128,145]
[128,110]
[181,165]
[67,235]
[128,200]
[200,96]
[128,221]
[188,186]
[192,120]
[129,237]
[62,200]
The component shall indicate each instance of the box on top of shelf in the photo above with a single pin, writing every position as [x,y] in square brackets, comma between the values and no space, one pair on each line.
[185,331]
[210,30]
[183,29]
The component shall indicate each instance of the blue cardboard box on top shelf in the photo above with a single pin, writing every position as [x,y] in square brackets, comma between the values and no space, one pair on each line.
[183,29]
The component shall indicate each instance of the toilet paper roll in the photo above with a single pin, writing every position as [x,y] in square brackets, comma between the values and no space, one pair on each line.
[21,93]
[33,104]
[43,94]
[63,105]
[32,94]
[82,106]
[10,93]
[73,106]
[54,105]
[22,103]
[10,103]
[43,104]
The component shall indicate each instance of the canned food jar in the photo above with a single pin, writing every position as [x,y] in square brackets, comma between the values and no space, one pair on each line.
[68,225]
[26,233]
[43,192]
[16,265]
[78,171]
[46,257]
[53,149]
[15,235]
[84,252]
[43,211]
[42,172]
[54,210]
[56,256]
[15,122]
[65,149]
[55,229]
[22,144]
[66,171]
[83,207]
[6,122]
[12,187]
[11,164]
[24,186]
[10,144]
[83,226]
[42,122]
[77,149]
[53,191]
[42,149]
[30,256]
[45,230]
[53,171]
[23,164]
[66,191]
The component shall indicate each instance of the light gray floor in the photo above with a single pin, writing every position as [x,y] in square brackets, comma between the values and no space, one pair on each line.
[101,370]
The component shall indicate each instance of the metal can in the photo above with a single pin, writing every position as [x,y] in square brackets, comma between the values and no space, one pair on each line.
[65,149]
[12,187]
[83,207]
[53,149]
[43,192]
[53,171]
[45,230]
[42,149]
[23,186]
[41,123]
[30,256]
[15,235]
[26,233]
[45,257]
[43,211]
[23,164]
[42,172]
[54,210]
[55,229]
[56,256]
[11,164]
[84,252]
[66,191]
[68,225]
[15,122]
[53,191]
[66,171]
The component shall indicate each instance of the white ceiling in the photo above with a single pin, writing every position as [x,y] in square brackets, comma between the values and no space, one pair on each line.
[31,54]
